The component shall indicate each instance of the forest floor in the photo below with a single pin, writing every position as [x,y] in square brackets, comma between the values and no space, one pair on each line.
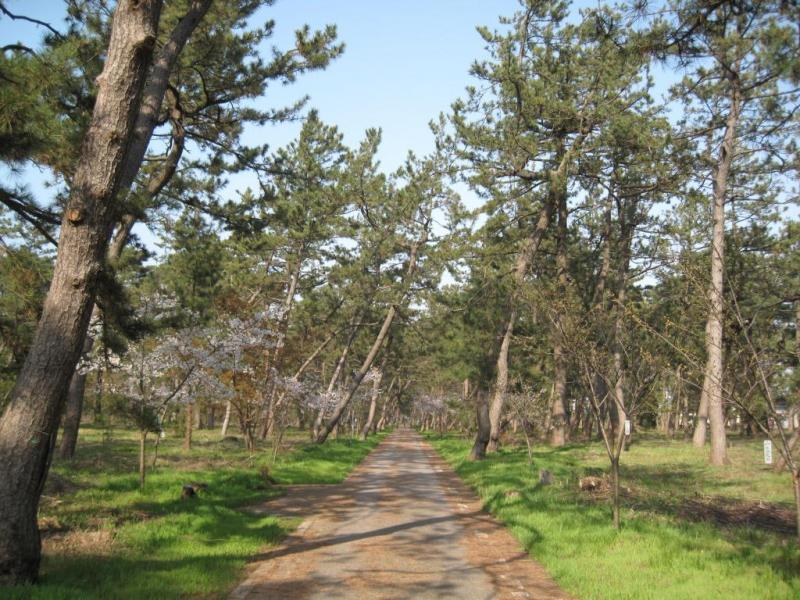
[104,537]
[688,530]
[401,526]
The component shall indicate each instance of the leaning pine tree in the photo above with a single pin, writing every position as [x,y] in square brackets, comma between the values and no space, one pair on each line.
[30,420]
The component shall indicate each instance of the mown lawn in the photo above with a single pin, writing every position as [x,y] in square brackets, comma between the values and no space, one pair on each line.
[659,553]
[106,538]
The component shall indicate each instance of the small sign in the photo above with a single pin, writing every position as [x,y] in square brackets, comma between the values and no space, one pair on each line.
[627,426]
[767,452]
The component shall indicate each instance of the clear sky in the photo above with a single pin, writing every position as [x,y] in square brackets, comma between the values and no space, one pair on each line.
[405,61]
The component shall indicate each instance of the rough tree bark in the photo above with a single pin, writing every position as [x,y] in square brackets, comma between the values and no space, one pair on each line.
[29,423]
[714,334]
[120,238]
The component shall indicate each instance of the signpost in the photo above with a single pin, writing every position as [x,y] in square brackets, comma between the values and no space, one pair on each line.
[767,452]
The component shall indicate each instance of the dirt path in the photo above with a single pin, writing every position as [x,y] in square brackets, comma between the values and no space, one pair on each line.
[402,526]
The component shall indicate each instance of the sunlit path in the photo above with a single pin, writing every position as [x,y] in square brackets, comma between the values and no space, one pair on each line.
[400,527]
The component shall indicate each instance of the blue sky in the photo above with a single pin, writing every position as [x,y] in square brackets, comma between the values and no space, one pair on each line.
[404,63]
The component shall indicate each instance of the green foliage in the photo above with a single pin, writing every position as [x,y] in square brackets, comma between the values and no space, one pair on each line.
[23,283]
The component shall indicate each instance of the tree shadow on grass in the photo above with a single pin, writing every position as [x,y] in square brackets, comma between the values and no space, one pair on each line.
[200,556]
[653,509]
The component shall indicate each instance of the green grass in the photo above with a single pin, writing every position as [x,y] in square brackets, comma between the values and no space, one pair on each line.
[119,541]
[657,554]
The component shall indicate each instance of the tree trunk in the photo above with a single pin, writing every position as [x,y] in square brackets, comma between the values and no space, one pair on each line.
[226,420]
[615,492]
[337,372]
[115,248]
[796,486]
[373,401]
[152,97]
[74,408]
[501,384]
[790,445]
[482,437]
[558,422]
[701,421]
[29,422]
[627,226]
[714,333]
[366,365]
[99,390]
[378,424]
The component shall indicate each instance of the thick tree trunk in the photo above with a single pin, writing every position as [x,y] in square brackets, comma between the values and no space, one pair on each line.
[156,87]
[558,417]
[714,333]
[29,422]
[501,383]
[152,97]
[793,439]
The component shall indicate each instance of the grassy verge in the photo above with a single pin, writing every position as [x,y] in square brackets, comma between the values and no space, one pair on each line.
[658,553]
[106,538]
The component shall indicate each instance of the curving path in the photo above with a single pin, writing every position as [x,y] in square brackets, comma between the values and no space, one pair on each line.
[402,526]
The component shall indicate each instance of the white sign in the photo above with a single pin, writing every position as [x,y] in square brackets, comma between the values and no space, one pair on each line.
[627,426]
[767,452]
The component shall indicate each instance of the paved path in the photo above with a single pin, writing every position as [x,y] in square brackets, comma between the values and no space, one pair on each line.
[402,526]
